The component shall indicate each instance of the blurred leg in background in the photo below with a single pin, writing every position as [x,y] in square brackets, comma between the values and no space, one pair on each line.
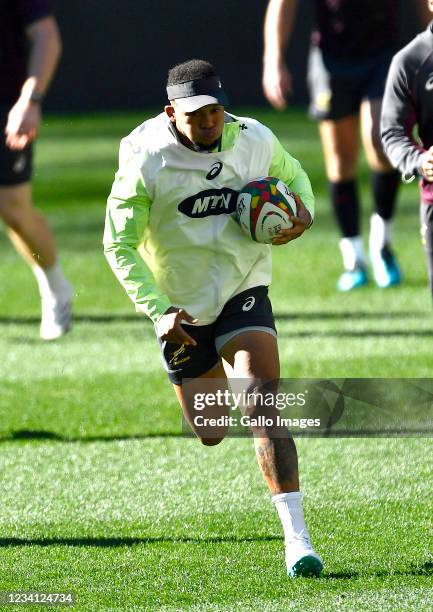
[32,238]
[384,186]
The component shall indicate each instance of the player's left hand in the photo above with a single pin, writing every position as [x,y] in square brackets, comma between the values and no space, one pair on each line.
[427,165]
[22,124]
[301,222]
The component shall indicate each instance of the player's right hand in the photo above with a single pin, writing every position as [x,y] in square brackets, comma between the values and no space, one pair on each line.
[277,83]
[169,326]
[22,124]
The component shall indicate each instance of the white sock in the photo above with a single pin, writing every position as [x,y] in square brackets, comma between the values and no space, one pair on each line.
[380,233]
[289,508]
[52,282]
[352,251]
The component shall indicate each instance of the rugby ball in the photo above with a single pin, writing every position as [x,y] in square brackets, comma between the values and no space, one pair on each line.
[263,208]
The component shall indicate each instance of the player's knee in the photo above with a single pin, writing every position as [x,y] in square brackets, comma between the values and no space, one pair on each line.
[16,206]
[211,441]
[340,167]
[10,217]
[341,171]
[379,162]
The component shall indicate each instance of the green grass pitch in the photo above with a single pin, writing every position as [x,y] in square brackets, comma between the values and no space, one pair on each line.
[100,495]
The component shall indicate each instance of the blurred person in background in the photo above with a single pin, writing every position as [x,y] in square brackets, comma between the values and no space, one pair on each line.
[352,46]
[30,47]
[408,103]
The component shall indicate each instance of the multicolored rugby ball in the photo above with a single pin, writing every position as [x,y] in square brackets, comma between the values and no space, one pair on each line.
[263,208]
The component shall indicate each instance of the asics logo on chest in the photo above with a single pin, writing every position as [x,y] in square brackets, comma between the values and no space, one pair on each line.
[210,202]
[214,170]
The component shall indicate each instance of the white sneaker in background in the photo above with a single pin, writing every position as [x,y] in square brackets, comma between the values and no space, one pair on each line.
[56,319]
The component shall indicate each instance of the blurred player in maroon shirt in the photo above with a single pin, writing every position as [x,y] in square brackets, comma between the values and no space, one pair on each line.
[351,49]
[407,124]
[30,48]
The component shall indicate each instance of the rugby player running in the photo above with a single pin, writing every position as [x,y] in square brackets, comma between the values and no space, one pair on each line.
[200,279]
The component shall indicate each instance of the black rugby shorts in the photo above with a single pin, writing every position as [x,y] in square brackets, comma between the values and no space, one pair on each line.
[339,85]
[15,166]
[251,308]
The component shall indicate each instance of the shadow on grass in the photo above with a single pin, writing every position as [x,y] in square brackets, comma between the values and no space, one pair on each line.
[125,318]
[20,435]
[426,569]
[51,436]
[303,316]
[338,334]
[115,542]
[24,435]
[367,333]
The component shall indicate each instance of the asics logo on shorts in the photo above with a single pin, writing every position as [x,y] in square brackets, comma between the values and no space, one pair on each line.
[214,171]
[19,164]
[429,82]
[249,303]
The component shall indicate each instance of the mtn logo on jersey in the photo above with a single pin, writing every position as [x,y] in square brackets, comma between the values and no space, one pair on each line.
[429,82]
[214,170]
[210,202]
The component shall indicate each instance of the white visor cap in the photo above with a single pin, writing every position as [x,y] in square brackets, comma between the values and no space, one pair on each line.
[193,103]
[192,95]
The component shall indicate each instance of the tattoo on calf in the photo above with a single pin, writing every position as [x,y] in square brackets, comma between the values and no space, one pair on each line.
[278,461]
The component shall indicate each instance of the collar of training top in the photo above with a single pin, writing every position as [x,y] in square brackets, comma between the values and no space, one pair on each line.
[194,94]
